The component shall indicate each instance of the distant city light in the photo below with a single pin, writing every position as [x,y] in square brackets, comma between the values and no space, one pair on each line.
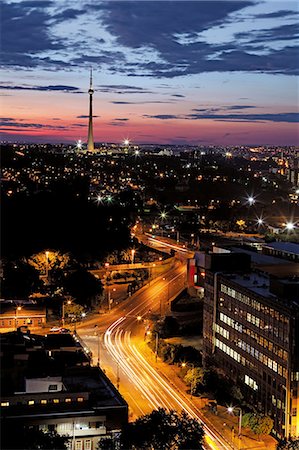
[126,142]
[99,198]
[260,221]
[136,152]
[79,144]
[163,215]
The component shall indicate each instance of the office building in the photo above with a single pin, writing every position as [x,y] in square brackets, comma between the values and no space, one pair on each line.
[251,333]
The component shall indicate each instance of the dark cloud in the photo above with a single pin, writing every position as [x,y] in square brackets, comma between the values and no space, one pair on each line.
[282,33]
[224,108]
[136,24]
[84,116]
[117,124]
[122,119]
[122,89]
[276,14]
[68,14]
[178,95]
[278,117]
[25,33]
[119,102]
[21,125]
[162,116]
[104,57]
[56,87]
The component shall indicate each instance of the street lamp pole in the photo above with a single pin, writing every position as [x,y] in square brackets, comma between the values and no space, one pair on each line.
[18,308]
[47,265]
[63,311]
[99,338]
[117,375]
[230,410]
[157,345]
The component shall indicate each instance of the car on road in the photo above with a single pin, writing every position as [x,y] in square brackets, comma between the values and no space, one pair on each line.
[60,330]
[55,329]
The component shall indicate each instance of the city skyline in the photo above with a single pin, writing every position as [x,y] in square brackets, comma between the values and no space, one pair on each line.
[202,73]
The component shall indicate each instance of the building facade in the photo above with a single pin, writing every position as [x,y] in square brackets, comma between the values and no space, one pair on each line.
[52,387]
[251,332]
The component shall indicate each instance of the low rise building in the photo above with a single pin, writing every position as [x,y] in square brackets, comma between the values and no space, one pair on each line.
[57,390]
[14,314]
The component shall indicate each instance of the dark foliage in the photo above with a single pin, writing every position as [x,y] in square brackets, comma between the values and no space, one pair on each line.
[83,286]
[19,280]
[30,439]
[62,219]
[163,430]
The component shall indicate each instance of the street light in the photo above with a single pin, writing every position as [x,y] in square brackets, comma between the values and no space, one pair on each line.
[290,226]
[231,409]
[99,343]
[251,200]
[157,342]
[18,308]
[68,302]
[47,264]
[132,255]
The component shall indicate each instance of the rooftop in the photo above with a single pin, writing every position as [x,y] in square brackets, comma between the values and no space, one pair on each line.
[288,247]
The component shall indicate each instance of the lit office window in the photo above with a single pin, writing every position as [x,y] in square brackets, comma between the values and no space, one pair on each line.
[4,404]
[251,383]
[44,402]
[30,402]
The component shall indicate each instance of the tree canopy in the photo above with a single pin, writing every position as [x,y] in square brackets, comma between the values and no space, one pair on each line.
[163,430]
[19,280]
[30,439]
[83,286]
[258,423]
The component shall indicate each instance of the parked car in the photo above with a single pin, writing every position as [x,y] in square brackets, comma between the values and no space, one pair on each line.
[55,329]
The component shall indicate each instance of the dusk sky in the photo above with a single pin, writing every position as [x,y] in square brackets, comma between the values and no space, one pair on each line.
[212,72]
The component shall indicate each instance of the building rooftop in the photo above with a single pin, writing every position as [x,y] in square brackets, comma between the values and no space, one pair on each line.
[255,282]
[260,258]
[288,247]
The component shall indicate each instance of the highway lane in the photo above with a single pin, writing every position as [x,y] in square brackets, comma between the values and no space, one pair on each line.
[142,385]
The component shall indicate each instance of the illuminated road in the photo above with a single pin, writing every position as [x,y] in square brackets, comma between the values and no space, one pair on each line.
[118,342]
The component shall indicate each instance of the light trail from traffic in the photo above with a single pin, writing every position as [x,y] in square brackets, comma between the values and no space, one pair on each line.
[158,390]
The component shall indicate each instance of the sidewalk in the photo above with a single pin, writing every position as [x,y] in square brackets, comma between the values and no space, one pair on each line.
[223,422]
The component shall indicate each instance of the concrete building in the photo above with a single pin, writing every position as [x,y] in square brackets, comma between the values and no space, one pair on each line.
[251,333]
[285,250]
[14,314]
[47,387]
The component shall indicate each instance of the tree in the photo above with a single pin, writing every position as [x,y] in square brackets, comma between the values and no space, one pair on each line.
[19,280]
[194,378]
[31,439]
[83,286]
[73,311]
[49,260]
[288,445]
[258,423]
[163,430]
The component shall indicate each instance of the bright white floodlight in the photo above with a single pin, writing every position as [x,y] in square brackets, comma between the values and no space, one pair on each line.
[251,200]
[290,226]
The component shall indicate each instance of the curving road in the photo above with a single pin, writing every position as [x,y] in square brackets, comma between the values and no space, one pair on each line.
[117,341]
